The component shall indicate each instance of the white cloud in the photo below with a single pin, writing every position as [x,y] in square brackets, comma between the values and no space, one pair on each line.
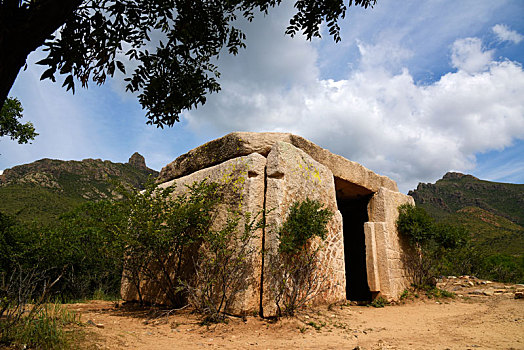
[510,172]
[423,27]
[503,33]
[378,115]
[467,55]
[386,55]
[375,111]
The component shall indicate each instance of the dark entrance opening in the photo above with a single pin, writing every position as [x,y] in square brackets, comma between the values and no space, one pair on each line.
[352,201]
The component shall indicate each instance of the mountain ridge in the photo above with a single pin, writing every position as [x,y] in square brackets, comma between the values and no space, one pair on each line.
[491,211]
[456,190]
[46,188]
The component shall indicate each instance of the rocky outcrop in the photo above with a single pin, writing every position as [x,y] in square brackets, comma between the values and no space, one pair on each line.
[65,184]
[238,144]
[456,191]
[271,171]
[88,169]
[452,175]
[137,161]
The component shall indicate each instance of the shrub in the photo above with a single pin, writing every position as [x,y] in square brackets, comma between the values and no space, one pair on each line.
[86,242]
[470,260]
[379,302]
[415,223]
[306,220]
[295,277]
[40,328]
[437,293]
[430,241]
[223,268]
[79,248]
[26,280]
[25,318]
[443,249]
[162,234]
[502,267]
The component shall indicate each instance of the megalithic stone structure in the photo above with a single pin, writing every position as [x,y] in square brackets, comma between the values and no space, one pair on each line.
[363,255]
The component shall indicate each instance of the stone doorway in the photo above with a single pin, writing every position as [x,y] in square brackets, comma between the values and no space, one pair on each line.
[352,202]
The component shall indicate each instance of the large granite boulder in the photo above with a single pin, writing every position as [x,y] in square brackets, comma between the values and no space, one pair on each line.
[238,144]
[232,145]
[243,186]
[269,172]
[292,175]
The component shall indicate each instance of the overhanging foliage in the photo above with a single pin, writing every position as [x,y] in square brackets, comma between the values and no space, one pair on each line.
[173,42]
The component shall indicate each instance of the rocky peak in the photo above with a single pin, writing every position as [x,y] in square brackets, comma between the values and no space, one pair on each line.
[137,161]
[455,176]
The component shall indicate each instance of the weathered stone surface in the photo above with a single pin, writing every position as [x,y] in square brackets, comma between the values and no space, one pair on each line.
[292,175]
[376,260]
[242,143]
[344,168]
[391,248]
[271,171]
[244,190]
[138,161]
[232,145]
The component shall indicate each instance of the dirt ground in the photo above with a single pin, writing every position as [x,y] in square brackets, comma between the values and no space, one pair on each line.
[481,316]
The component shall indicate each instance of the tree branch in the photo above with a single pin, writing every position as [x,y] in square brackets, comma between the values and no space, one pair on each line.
[23,29]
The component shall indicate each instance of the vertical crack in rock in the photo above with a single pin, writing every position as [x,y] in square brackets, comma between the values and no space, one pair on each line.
[293,169]
[261,307]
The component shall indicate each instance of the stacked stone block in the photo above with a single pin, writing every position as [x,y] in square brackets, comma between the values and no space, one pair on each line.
[271,171]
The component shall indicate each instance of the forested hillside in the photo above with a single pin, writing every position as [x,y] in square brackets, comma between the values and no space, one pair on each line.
[492,212]
[42,190]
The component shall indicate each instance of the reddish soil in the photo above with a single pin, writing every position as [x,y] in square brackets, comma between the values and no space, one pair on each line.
[481,316]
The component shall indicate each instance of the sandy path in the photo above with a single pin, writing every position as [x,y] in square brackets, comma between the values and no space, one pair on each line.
[479,322]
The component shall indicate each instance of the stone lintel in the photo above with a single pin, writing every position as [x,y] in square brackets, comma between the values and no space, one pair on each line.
[238,144]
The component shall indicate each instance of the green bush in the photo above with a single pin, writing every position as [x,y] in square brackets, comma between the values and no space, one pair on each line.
[470,260]
[422,230]
[431,243]
[28,276]
[79,248]
[295,278]
[87,243]
[444,249]
[415,223]
[149,236]
[379,302]
[437,293]
[306,220]
[39,328]
[163,232]
[223,267]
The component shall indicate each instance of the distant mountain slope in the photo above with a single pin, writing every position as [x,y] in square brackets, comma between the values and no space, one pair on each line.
[456,191]
[493,212]
[44,189]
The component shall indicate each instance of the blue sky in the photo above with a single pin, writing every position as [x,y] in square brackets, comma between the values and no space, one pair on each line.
[415,89]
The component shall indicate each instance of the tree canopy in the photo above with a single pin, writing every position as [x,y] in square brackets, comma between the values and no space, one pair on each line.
[10,126]
[173,43]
